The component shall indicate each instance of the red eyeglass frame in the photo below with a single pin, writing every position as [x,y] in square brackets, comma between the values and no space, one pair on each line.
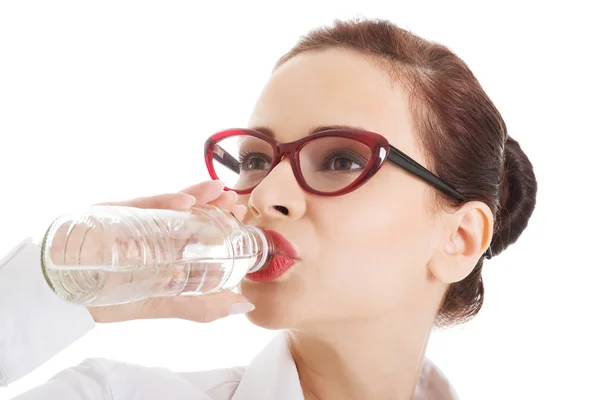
[381,150]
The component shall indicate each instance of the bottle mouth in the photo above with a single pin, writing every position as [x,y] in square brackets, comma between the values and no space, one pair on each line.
[266,245]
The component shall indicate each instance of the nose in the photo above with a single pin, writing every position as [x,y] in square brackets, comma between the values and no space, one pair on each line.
[278,195]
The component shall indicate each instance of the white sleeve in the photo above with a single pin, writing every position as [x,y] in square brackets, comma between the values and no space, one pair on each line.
[34,323]
[87,381]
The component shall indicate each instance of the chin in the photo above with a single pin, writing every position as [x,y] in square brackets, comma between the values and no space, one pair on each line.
[267,320]
[272,302]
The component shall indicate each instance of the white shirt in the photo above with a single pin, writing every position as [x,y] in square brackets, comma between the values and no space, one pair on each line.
[35,325]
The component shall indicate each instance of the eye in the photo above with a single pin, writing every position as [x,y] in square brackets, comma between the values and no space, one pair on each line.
[343,161]
[255,161]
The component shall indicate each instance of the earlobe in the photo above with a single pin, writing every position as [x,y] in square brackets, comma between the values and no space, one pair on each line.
[470,235]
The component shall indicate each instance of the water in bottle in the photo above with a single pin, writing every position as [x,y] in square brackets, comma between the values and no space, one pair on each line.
[106,255]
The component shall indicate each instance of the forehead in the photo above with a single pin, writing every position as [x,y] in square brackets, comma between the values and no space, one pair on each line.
[333,87]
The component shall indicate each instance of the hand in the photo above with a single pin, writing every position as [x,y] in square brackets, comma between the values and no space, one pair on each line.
[205,308]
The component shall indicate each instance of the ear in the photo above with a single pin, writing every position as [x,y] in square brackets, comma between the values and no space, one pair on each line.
[468,234]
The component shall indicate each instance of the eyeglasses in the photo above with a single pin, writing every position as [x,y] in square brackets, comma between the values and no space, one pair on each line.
[331,162]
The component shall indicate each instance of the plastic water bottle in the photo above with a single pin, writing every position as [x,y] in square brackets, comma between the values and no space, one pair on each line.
[106,255]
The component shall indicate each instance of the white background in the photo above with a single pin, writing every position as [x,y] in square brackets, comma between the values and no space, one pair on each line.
[109,100]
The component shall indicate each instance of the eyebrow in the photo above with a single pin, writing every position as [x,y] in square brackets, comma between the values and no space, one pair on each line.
[320,128]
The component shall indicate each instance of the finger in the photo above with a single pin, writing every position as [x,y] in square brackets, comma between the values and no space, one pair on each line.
[205,192]
[170,201]
[239,210]
[204,308]
[225,201]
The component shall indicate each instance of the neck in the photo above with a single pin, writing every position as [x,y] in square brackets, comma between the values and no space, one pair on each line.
[374,359]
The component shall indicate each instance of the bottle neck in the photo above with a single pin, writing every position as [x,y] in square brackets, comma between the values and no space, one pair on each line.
[264,247]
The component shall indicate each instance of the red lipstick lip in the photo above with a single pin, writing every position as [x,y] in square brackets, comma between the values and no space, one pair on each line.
[282,246]
[284,258]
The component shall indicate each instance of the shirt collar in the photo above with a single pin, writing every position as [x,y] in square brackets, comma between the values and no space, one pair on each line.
[272,374]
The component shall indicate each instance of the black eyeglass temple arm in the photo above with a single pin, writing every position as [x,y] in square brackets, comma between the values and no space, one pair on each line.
[226,159]
[403,161]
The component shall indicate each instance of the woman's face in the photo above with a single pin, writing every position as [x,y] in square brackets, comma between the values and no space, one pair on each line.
[362,255]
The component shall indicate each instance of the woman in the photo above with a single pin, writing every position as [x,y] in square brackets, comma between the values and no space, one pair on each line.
[337,160]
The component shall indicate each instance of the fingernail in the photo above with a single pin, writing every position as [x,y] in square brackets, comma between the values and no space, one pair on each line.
[239,210]
[190,200]
[240,308]
[220,184]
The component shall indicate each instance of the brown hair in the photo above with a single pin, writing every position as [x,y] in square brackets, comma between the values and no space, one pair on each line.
[462,132]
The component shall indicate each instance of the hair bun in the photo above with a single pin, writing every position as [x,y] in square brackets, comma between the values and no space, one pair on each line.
[518,192]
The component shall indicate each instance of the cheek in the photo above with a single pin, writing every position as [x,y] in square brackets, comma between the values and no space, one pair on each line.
[377,256]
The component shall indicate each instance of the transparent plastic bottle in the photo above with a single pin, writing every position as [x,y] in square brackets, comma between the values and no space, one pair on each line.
[106,255]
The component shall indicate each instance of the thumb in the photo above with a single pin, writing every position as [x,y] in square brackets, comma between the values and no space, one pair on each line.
[204,308]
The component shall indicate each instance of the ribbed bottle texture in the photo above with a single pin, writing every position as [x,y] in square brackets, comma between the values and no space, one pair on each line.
[107,255]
